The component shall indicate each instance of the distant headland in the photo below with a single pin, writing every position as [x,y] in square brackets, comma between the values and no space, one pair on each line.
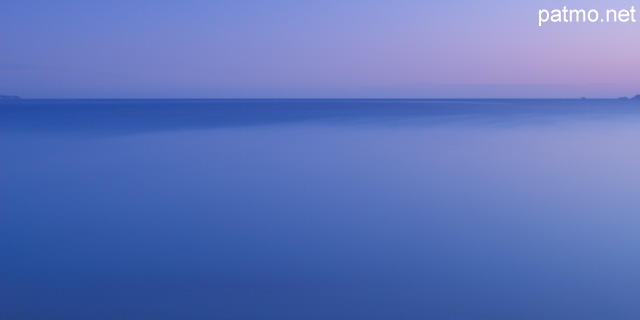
[2,97]
[10,97]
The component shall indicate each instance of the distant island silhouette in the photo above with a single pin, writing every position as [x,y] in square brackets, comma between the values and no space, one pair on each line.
[3,97]
[9,97]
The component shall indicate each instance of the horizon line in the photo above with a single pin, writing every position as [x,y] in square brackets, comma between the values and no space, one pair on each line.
[327,98]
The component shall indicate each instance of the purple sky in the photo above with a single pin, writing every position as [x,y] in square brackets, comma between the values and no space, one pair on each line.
[307,49]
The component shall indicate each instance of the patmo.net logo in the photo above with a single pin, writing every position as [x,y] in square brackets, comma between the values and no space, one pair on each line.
[565,15]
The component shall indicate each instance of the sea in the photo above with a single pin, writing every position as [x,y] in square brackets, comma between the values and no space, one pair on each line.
[320,209]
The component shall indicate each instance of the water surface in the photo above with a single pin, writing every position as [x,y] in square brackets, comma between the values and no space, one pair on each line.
[319,209]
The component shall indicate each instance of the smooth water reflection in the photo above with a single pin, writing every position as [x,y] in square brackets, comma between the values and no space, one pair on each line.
[523,215]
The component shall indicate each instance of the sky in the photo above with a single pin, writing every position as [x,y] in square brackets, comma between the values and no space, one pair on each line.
[313,49]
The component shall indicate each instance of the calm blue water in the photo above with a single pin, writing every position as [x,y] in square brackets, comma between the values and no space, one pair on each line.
[319,209]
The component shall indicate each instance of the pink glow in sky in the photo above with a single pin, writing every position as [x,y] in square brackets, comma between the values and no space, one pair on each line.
[307,49]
